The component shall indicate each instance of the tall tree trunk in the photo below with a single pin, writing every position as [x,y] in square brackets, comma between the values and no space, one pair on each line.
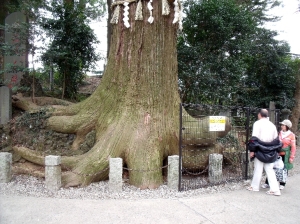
[109,26]
[135,108]
[296,109]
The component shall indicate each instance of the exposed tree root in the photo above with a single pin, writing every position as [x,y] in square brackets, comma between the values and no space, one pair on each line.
[27,104]
[30,155]
[29,168]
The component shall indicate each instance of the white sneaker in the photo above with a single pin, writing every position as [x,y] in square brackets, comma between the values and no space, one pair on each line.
[265,186]
[281,187]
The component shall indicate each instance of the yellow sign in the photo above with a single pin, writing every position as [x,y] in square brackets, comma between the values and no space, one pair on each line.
[217,123]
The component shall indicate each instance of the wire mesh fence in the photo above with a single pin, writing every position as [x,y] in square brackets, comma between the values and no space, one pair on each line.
[214,129]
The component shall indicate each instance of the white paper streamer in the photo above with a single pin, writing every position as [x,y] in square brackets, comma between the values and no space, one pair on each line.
[180,27]
[115,16]
[126,14]
[150,8]
[180,18]
[165,8]
[176,14]
[139,11]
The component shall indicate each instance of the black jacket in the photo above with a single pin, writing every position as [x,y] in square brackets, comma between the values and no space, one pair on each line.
[266,152]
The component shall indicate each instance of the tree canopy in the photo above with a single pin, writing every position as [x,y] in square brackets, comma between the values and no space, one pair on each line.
[65,26]
[72,46]
[225,56]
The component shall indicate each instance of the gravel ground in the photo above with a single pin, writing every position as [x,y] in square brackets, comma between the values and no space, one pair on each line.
[31,186]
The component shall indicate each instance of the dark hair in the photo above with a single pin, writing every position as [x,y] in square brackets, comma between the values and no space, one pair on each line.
[287,128]
[263,113]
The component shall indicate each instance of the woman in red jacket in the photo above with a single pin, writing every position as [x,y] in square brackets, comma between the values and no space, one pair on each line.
[288,152]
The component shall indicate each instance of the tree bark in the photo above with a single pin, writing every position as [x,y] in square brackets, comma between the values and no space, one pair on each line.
[296,109]
[109,26]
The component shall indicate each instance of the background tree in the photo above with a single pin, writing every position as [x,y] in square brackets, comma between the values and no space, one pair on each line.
[268,76]
[223,45]
[210,51]
[72,46]
[295,64]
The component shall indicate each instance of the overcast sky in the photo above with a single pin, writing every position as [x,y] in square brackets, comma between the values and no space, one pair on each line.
[288,26]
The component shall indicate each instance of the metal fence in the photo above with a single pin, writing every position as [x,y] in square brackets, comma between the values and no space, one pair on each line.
[209,129]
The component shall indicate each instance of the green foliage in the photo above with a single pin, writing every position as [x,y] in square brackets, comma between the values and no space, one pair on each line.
[259,9]
[215,36]
[71,50]
[226,57]
[268,76]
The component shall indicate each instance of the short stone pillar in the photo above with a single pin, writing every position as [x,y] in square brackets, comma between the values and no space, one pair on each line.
[249,166]
[215,168]
[5,105]
[5,167]
[115,174]
[297,140]
[173,172]
[53,172]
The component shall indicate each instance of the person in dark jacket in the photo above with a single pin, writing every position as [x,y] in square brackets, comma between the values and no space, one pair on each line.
[288,151]
[264,149]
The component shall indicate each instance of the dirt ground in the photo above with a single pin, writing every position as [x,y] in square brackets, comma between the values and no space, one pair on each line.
[28,130]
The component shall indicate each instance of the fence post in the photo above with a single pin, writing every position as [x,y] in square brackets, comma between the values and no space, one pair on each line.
[173,172]
[5,167]
[53,172]
[215,168]
[115,174]
[272,112]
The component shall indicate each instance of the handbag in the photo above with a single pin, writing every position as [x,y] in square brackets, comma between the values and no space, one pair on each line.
[278,164]
[281,175]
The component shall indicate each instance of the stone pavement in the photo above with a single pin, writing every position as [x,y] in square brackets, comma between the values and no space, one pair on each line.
[240,206]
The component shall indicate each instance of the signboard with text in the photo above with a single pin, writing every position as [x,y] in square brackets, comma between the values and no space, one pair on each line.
[217,123]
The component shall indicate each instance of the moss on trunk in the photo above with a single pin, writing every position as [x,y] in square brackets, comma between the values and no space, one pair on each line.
[135,108]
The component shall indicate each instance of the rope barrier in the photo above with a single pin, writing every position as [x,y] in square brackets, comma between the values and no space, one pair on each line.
[124,168]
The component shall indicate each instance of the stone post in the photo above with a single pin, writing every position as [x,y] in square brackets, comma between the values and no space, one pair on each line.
[53,172]
[115,174]
[272,111]
[173,172]
[12,38]
[215,168]
[5,104]
[5,167]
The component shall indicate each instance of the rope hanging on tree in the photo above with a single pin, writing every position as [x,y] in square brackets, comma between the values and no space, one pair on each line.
[139,11]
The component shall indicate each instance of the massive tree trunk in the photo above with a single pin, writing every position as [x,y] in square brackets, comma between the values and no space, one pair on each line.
[296,109]
[135,108]
[109,26]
